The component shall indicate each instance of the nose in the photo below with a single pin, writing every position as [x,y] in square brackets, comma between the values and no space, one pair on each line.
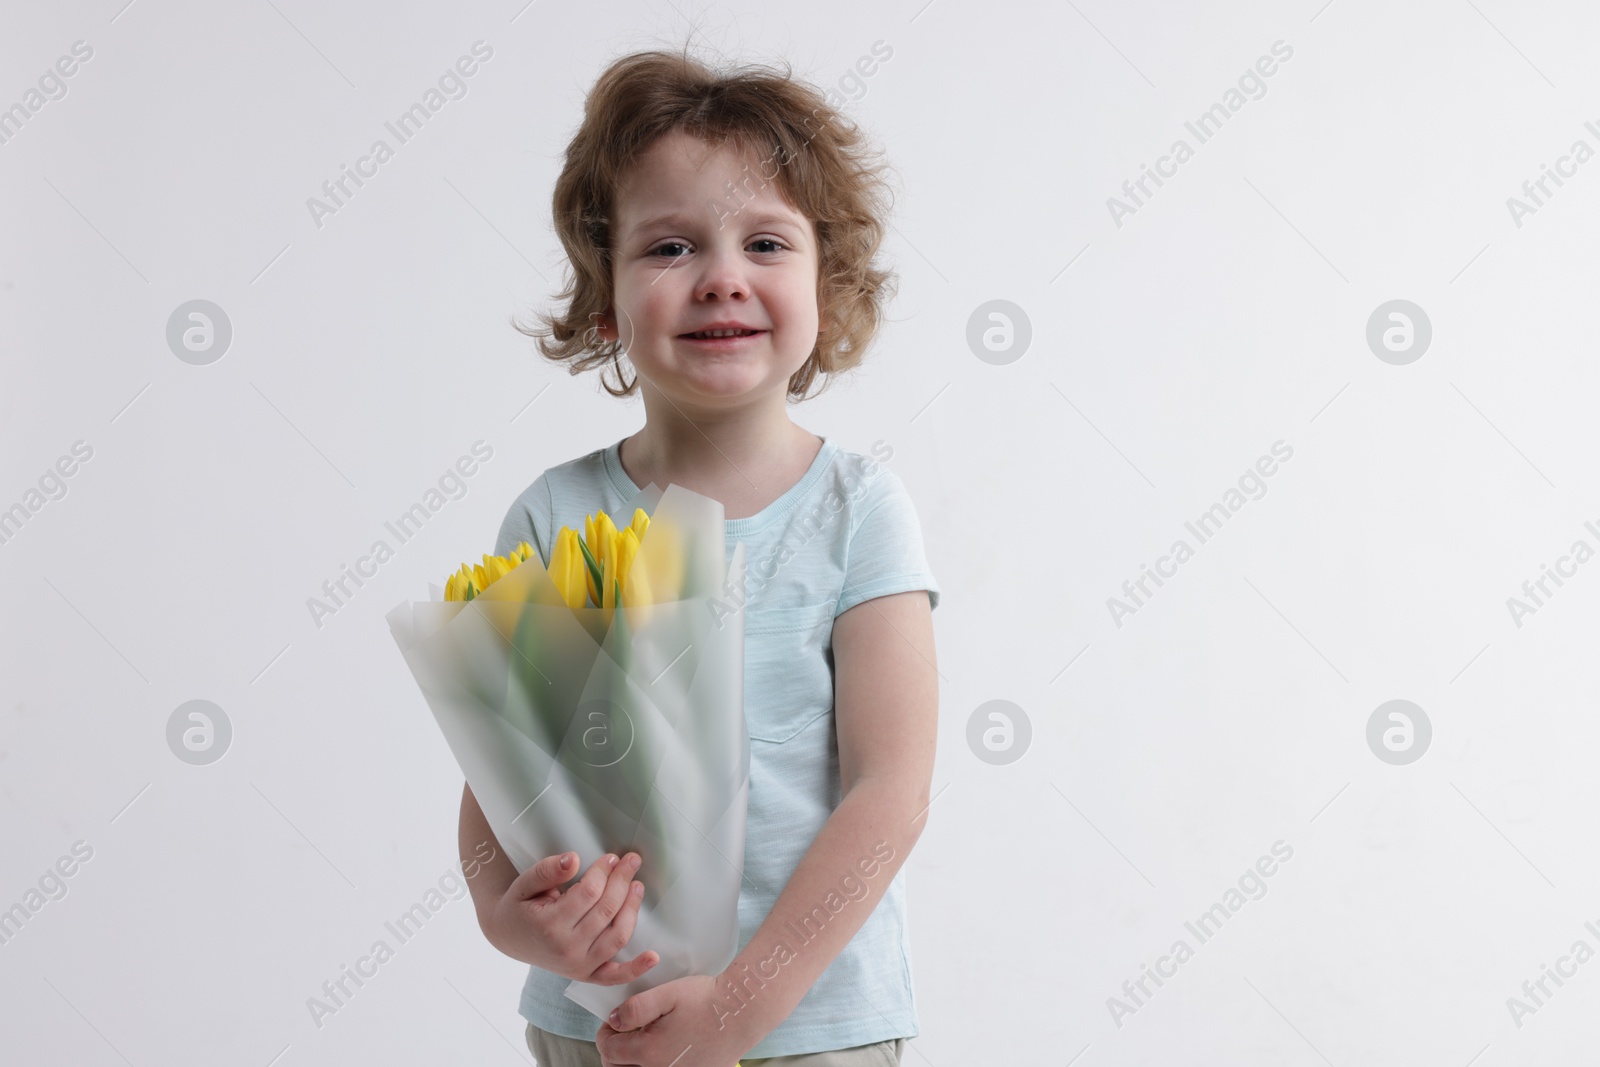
[722,275]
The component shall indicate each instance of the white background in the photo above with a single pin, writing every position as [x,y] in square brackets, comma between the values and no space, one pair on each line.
[1227,313]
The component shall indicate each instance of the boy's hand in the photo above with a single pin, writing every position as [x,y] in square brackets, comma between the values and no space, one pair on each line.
[573,933]
[676,1023]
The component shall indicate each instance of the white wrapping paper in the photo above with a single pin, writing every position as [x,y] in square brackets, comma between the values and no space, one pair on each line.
[579,735]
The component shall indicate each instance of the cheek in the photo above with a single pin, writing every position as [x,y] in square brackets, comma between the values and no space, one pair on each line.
[644,308]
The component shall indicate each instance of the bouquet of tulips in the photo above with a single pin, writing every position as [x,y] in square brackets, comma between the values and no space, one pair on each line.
[597,705]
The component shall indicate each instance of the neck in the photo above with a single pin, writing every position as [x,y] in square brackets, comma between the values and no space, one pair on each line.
[709,446]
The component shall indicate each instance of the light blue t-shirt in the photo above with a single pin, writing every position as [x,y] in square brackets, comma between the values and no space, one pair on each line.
[845,533]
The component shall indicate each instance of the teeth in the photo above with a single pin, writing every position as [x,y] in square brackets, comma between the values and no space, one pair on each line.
[723,333]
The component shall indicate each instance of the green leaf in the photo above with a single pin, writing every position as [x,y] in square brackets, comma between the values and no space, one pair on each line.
[594,568]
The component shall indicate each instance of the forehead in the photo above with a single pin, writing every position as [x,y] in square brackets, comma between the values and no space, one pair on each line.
[681,177]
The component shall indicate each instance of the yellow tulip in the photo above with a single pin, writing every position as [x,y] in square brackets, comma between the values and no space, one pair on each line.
[600,534]
[497,567]
[472,579]
[627,552]
[460,584]
[618,562]
[567,568]
[600,564]
[636,587]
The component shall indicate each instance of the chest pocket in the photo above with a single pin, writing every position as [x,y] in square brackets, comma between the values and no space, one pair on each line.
[788,669]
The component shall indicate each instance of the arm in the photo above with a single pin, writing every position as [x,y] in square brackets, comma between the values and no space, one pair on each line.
[488,869]
[886,709]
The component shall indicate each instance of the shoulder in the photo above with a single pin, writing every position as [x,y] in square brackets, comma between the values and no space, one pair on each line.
[530,516]
[855,484]
[882,551]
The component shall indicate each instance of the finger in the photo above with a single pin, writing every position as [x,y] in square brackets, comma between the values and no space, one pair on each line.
[582,894]
[602,1038]
[593,925]
[613,973]
[544,875]
[642,1009]
[615,937]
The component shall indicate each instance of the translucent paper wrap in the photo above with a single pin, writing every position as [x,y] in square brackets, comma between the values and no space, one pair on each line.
[600,731]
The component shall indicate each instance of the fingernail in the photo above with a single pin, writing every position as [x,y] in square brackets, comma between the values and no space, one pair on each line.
[611,861]
[566,861]
[615,1019]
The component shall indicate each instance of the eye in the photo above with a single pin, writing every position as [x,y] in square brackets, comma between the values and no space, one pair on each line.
[778,245]
[656,251]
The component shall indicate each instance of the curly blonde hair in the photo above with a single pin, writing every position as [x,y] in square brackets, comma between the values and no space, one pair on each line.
[827,172]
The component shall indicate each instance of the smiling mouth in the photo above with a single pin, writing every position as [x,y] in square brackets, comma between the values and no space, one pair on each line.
[716,335]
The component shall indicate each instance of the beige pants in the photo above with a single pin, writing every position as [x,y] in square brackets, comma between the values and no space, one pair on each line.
[553,1050]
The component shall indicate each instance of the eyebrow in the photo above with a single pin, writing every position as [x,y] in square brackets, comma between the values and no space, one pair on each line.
[678,219]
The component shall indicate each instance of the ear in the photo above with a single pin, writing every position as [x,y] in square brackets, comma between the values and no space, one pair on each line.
[603,324]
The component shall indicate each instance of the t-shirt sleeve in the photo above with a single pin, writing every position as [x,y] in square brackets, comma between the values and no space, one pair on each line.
[885,553]
[527,520]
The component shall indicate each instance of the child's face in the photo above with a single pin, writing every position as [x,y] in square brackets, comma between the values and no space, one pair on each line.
[731,252]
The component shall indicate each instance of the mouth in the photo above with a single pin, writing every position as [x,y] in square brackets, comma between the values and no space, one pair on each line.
[722,338]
